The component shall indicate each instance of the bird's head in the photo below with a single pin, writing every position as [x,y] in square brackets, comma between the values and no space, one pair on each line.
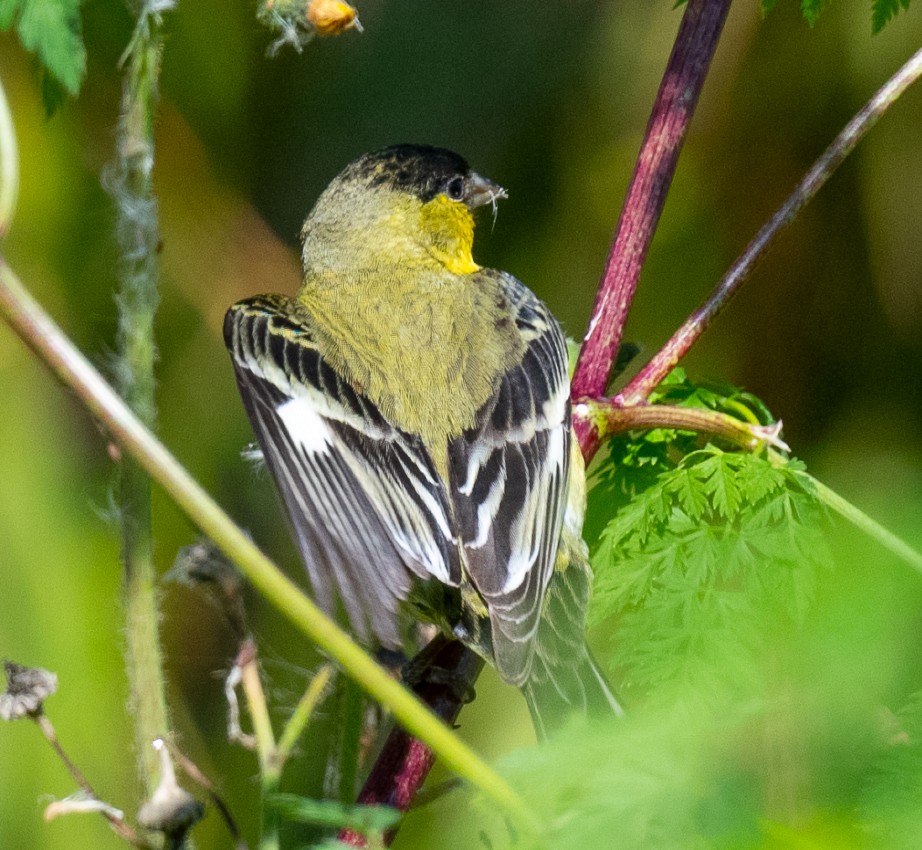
[404,205]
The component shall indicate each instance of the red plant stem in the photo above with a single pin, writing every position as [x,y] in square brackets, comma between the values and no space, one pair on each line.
[675,103]
[405,762]
[682,340]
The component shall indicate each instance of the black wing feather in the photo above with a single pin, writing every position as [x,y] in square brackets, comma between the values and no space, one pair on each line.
[369,513]
[509,477]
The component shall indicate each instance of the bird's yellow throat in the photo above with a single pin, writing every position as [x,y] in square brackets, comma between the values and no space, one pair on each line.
[451,227]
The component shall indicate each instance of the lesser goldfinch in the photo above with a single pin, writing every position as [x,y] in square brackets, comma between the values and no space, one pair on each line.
[414,411]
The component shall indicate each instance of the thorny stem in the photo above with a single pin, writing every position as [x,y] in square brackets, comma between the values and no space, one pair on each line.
[122,829]
[138,236]
[683,339]
[675,103]
[23,313]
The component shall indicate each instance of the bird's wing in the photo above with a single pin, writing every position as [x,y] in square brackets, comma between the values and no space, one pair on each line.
[364,499]
[508,483]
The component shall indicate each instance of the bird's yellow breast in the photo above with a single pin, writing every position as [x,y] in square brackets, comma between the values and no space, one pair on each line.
[428,348]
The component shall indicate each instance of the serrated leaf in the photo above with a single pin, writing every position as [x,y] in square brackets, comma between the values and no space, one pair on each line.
[719,478]
[699,569]
[690,494]
[883,11]
[51,29]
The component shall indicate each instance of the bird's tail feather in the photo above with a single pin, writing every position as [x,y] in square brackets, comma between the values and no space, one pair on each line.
[569,686]
[565,679]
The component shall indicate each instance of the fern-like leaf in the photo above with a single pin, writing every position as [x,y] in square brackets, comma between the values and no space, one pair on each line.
[699,568]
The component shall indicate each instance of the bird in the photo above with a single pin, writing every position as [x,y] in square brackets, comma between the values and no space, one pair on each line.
[413,409]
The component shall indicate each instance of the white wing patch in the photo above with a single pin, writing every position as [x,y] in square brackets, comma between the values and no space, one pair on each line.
[305,426]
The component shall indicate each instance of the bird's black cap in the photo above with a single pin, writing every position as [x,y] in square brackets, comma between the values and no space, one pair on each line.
[420,170]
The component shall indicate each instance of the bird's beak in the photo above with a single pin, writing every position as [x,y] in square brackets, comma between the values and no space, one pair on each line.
[481,191]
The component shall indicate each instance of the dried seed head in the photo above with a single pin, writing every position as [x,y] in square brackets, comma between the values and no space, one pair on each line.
[171,809]
[26,690]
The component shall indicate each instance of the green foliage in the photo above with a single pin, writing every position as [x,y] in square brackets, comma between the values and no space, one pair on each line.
[701,553]
[632,465]
[702,565]
[811,9]
[890,805]
[706,568]
[883,10]
[51,29]
[370,821]
[661,779]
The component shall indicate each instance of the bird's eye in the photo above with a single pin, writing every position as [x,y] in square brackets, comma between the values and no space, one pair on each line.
[455,188]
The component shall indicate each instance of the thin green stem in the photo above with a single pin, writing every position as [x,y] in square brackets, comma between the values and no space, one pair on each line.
[273,756]
[9,166]
[869,526]
[303,712]
[138,236]
[269,770]
[39,332]
[259,714]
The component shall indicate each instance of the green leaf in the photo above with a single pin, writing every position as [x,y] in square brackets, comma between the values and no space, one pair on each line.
[703,565]
[329,813]
[811,10]
[882,11]
[889,806]
[51,29]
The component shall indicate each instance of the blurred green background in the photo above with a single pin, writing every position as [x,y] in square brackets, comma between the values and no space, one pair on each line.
[549,99]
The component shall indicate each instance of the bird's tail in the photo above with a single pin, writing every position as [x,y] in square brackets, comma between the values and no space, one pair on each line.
[573,685]
[565,678]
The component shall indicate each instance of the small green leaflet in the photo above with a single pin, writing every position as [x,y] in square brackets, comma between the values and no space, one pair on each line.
[51,29]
